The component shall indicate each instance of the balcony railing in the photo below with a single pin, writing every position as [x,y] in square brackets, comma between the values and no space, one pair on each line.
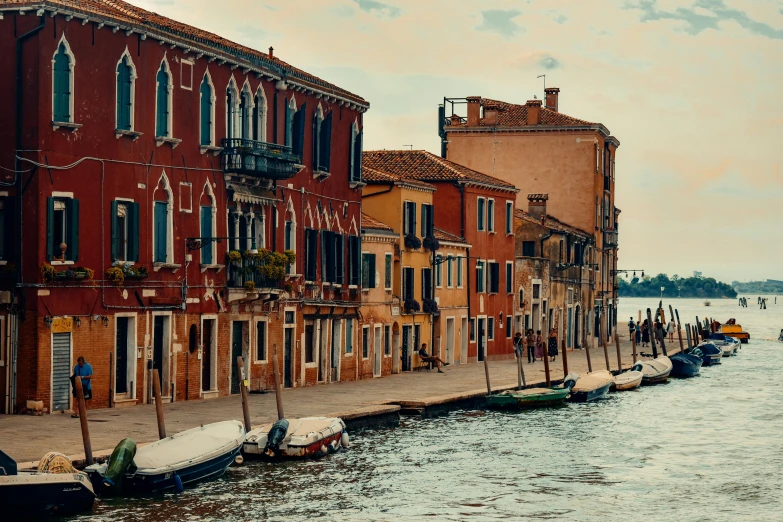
[259,158]
[247,270]
[610,238]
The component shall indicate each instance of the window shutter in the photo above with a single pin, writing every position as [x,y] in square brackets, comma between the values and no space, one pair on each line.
[120,98]
[162,124]
[371,268]
[324,255]
[409,282]
[366,271]
[351,141]
[339,250]
[357,152]
[326,143]
[430,221]
[299,131]
[133,231]
[72,208]
[287,124]
[206,113]
[494,277]
[424,225]
[206,231]
[405,224]
[316,142]
[413,217]
[115,229]
[161,219]
[49,228]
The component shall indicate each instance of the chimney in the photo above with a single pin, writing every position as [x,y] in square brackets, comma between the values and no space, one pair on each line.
[271,52]
[474,108]
[490,114]
[536,205]
[533,112]
[551,98]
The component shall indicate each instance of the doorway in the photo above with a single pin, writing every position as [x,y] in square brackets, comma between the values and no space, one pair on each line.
[337,328]
[482,341]
[61,371]
[395,348]
[160,351]
[125,357]
[450,340]
[238,329]
[463,337]
[577,320]
[407,340]
[376,371]
[207,352]
[288,357]
[569,327]
[535,314]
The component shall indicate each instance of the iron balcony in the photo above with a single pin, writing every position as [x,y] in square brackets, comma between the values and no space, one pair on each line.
[266,160]
[610,238]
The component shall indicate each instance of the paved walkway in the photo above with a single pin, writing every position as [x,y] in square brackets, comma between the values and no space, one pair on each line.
[28,438]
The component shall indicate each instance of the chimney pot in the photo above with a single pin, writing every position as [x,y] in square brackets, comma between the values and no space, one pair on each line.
[474,108]
[271,52]
[536,205]
[551,98]
[491,114]
[533,112]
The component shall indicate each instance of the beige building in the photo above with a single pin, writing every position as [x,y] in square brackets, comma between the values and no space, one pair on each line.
[451,295]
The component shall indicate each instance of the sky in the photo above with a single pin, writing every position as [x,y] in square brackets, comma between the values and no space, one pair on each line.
[691,88]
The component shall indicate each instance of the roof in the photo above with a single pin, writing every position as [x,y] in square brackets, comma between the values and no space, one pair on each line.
[442,235]
[370,175]
[132,17]
[369,222]
[425,166]
[513,115]
[551,222]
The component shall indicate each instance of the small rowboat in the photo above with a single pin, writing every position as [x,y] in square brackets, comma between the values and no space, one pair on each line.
[532,397]
[592,386]
[655,371]
[630,379]
[686,364]
[296,438]
[710,354]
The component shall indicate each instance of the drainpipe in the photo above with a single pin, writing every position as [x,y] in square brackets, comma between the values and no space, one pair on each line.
[19,92]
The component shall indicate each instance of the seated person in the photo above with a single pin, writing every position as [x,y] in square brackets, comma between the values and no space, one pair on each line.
[425,357]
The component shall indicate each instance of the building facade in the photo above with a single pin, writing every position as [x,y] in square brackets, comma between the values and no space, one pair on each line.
[452,330]
[172,200]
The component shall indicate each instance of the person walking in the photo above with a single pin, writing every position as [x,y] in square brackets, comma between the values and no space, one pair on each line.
[670,329]
[519,347]
[638,334]
[631,328]
[645,333]
[539,345]
[531,346]
[552,350]
[82,370]
[660,334]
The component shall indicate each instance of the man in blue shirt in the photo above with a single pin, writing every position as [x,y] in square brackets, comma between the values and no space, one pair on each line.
[84,371]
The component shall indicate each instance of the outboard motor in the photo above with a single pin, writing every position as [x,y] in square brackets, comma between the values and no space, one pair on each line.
[637,367]
[275,437]
[570,380]
[119,462]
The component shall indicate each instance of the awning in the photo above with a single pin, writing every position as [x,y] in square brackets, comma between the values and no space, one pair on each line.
[240,193]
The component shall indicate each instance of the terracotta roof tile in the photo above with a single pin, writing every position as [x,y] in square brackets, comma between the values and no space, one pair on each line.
[125,13]
[424,166]
[370,222]
[551,222]
[370,175]
[512,115]
[442,235]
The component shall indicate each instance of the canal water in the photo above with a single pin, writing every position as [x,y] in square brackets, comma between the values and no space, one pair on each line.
[708,448]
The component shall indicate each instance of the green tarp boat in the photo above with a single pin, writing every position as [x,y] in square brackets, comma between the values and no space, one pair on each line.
[531,397]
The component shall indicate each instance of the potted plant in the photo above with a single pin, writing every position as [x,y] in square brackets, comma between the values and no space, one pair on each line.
[115,274]
[412,242]
[431,243]
[430,306]
[412,305]
[48,273]
[250,286]
[235,257]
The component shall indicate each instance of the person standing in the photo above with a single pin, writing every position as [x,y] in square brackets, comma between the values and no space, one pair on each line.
[638,334]
[552,350]
[631,328]
[670,329]
[519,347]
[531,346]
[660,334]
[539,345]
[82,370]
[645,333]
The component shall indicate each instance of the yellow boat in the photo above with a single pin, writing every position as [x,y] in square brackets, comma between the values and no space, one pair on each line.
[735,331]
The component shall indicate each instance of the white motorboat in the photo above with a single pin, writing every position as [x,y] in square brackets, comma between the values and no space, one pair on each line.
[656,370]
[592,386]
[630,379]
[296,438]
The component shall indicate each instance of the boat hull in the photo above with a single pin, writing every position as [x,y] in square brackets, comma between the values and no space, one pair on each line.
[324,439]
[711,360]
[685,365]
[159,482]
[590,395]
[628,380]
[25,496]
[522,401]
[656,371]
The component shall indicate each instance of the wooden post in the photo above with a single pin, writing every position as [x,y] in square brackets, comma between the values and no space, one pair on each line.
[565,358]
[617,344]
[604,335]
[633,343]
[652,334]
[82,406]
[278,390]
[679,335]
[243,392]
[520,374]
[587,354]
[486,374]
[158,404]
[688,332]
[698,329]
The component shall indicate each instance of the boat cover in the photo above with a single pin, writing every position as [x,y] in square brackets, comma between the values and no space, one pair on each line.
[628,378]
[658,366]
[190,447]
[592,381]
[301,432]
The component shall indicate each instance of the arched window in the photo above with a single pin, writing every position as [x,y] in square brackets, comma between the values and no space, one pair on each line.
[163,102]
[163,206]
[355,153]
[259,116]
[289,234]
[63,64]
[126,78]
[207,223]
[290,111]
[245,112]
[207,94]
[232,107]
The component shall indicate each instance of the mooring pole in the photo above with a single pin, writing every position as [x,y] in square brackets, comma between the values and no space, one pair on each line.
[565,358]
[617,344]
[633,344]
[520,374]
[243,392]
[158,404]
[651,328]
[278,390]
[82,406]
[486,374]
[679,332]
[688,333]
[587,354]
[604,335]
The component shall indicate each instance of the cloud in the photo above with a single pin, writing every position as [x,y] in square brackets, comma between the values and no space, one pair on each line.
[537,60]
[695,22]
[500,21]
[549,63]
[558,18]
[379,9]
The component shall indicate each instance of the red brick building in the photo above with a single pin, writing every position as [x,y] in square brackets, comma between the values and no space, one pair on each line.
[479,209]
[132,143]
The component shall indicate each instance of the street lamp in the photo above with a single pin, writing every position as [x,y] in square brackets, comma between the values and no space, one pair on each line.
[662,289]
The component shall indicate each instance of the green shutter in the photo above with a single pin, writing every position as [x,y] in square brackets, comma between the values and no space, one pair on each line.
[49,228]
[161,221]
[357,152]
[351,140]
[206,113]
[162,116]
[373,282]
[326,143]
[132,218]
[206,231]
[287,124]
[316,141]
[72,229]
[115,229]
[123,95]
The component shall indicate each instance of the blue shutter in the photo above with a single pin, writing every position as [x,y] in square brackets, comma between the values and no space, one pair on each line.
[326,143]
[72,229]
[206,231]
[316,142]
[115,229]
[299,131]
[62,85]
[49,228]
[351,140]
[161,229]
[123,95]
[357,153]
[132,218]
[162,117]
[287,125]
[206,113]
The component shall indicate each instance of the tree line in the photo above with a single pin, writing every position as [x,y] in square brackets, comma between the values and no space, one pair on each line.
[769,286]
[675,287]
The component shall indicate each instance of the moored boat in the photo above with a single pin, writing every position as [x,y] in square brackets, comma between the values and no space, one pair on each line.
[656,371]
[686,364]
[532,397]
[592,386]
[710,353]
[296,438]
[732,329]
[172,463]
[630,379]
[722,340]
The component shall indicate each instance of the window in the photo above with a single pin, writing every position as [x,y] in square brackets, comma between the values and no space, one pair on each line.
[163,102]
[290,317]
[259,115]
[509,277]
[490,328]
[7,242]
[521,297]
[62,227]
[207,116]
[355,152]
[387,340]
[339,259]
[365,342]
[426,283]
[289,240]
[349,336]
[298,130]
[232,110]
[162,222]
[354,260]
[450,271]
[125,231]
[508,327]
[560,251]
[368,271]
[409,218]
[261,341]
[494,277]
[309,343]
[408,280]
[207,230]
[509,217]
[473,329]
[439,271]
[480,277]
[126,77]
[491,215]
[387,280]
[63,64]
[311,254]
[290,110]
[328,257]
[528,248]
[536,291]
[427,224]
[481,214]
[245,113]
[459,272]
[322,141]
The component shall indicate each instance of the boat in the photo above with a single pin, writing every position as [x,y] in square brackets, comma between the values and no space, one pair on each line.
[169,464]
[657,370]
[686,364]
[732,329]
[710,353]
[721,340]
[296,438]
[592,386]
[532,397]
[630,379]
[28,495]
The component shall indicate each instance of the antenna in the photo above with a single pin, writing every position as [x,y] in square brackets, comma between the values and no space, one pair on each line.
[544,77]
[411,147]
